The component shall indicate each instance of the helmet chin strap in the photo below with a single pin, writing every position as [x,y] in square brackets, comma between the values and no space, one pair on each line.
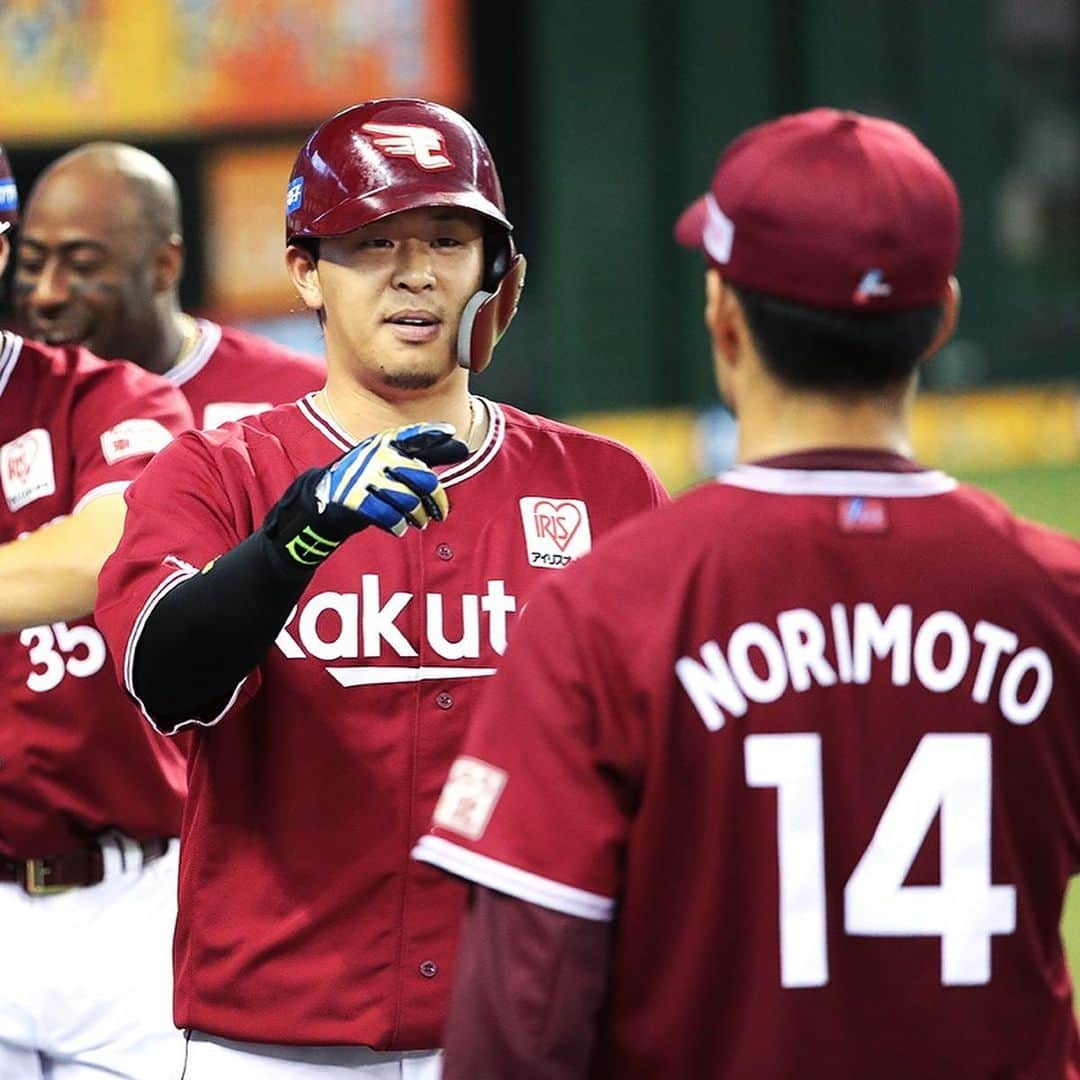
[487,315]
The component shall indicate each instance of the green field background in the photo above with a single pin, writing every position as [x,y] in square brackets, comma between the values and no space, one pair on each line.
[1050,494]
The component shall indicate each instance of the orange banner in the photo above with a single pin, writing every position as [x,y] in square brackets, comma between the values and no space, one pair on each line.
[72,68]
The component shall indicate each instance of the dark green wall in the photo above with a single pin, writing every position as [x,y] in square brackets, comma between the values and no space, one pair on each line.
[632,102]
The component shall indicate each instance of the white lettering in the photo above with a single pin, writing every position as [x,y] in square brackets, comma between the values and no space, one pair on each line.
[938,651]
[378,622]
[997,642]
[892,635]
[346,607]
[950,625]
[468,645]
[842,641]
[710,685]
[755,635]
[498,605]
[1013,709]
[803,637]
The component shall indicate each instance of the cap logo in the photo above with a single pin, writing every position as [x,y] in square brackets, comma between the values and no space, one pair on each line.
[872,287]
[9,197]
[424,145]
[719,232]
[294,196]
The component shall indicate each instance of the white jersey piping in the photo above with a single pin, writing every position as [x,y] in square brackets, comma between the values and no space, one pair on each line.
[184,572]
[110,488]
[10,348]
[455,474]
[209,340]
[888,485]
[503,878]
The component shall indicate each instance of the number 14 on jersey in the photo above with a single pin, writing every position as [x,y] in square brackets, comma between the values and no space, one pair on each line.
[947,774]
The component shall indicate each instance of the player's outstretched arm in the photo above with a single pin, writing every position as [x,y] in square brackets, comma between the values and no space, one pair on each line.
[209,632]
[51,574]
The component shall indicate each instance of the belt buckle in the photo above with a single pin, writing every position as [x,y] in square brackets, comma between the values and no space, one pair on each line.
[35,884]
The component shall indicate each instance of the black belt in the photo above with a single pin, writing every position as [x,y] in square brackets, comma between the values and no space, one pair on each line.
[58,873]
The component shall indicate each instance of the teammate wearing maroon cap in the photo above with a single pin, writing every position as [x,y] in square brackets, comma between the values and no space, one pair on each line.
[784,779]
[99,262]
[89,800]
[327,689]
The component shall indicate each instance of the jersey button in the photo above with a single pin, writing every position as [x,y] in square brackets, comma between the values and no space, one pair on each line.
[429,969]
[445,552]
[444,700]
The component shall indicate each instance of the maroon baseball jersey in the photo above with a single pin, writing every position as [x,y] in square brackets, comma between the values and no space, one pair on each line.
[811,736]
[231,374]
[75,757]
[302,917]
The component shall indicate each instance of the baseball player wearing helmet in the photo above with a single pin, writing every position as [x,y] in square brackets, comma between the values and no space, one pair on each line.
[100,257]
[277,594]
[89,799]
[810,810]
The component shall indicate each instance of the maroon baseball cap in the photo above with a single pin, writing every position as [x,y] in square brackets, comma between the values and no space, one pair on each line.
[830,209]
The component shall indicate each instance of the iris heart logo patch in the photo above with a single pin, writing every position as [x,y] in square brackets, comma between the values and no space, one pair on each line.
[556,530]
[26,468]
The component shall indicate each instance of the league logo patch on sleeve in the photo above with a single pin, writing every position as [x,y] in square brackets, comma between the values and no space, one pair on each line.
[556,530]
[131,438]
[469,796]
[9,197]
[26,468]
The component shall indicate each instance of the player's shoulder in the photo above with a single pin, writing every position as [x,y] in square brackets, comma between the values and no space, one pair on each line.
[1050,553]
[563,438]
[246,345]
[76,368]
[272,432]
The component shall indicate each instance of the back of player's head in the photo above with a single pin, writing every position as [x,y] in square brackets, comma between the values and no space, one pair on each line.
[840,233]
[9,195]
[383,157]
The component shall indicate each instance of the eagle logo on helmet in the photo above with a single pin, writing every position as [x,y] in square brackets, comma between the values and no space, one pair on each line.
[425,145]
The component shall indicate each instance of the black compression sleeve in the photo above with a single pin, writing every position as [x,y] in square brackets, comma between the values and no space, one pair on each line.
[202,638]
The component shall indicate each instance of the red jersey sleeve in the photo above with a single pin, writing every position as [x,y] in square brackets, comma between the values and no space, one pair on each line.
[495,823]
[181,515]
[121,416]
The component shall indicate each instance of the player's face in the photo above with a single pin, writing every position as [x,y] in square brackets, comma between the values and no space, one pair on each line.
[393,293]
[5,249]
[85,268]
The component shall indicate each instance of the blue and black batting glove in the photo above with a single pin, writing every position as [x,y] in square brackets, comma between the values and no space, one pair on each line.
[386,481]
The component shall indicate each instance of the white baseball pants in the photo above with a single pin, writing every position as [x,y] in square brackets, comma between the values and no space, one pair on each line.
[86,975]
[211,1058]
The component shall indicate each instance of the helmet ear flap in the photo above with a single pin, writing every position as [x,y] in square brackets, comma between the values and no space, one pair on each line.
[488,314]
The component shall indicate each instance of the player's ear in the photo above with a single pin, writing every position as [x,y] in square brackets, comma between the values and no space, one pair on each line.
[304,272]
[168,264]
[724,318]
[949,315]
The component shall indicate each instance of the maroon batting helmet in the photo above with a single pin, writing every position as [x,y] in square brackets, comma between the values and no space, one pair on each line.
[381,157]
[9,196]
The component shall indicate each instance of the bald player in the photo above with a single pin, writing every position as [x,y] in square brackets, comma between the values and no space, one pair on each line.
[784,779]
[99,263]
[89,803]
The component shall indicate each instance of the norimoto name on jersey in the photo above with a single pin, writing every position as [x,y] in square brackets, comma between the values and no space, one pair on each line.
[364,625]
[761,662]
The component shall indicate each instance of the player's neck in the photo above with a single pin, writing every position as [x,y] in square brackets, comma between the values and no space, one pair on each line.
[360,412]
[169,341]
[788,424]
